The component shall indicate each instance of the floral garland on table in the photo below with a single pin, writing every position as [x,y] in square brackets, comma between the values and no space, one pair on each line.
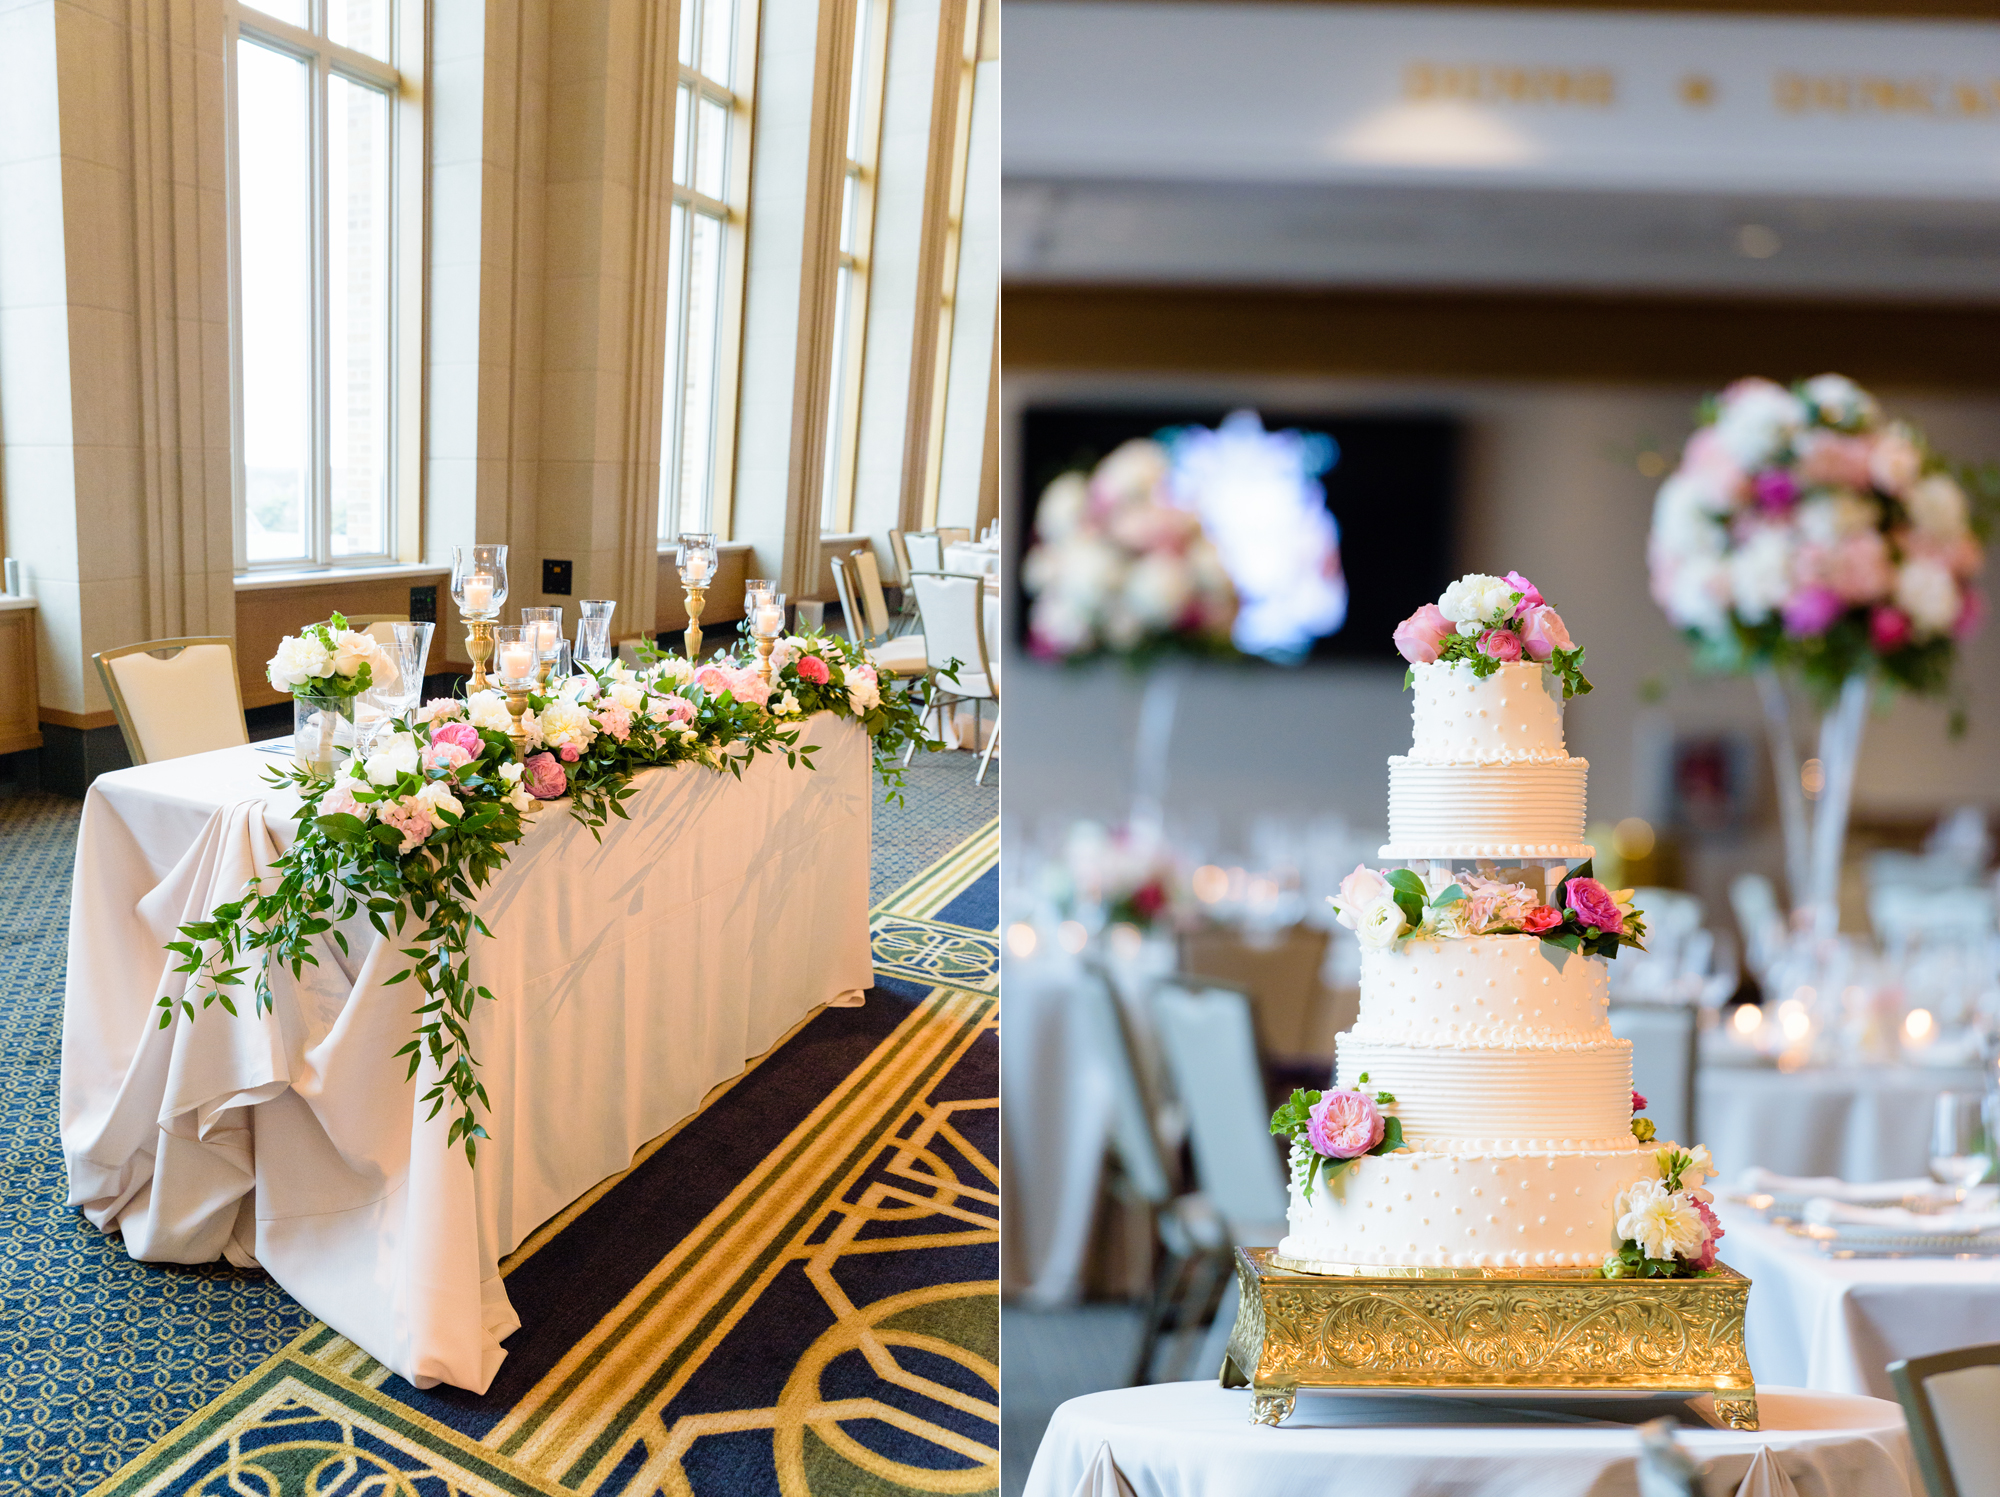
[1384,907]
[1337,1127]
[1804,531]
[1665,1224]
[1487,622]
[420,825]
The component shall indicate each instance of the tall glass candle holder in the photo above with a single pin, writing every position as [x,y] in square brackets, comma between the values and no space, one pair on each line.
[517,665]
[593,631]
[755,589]
[766,624]
[479,587]
[545,627]
[697,569]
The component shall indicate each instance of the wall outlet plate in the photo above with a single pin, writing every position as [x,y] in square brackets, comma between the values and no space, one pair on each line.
[555,578]
[424,604]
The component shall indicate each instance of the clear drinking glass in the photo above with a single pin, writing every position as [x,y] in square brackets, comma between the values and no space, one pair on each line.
[479,580]
[1961,1139]
[412,652]
[593,630]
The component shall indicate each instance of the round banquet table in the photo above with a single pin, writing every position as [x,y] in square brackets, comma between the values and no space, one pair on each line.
[1196,1440]
[1860,1123]
[1837,1323]
[970,556]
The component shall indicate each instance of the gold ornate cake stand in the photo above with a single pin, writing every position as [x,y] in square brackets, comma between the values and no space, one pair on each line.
[1525,1330]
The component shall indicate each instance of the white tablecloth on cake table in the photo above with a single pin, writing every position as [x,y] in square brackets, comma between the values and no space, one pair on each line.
[629,979]
[1859,1123]
[1837,1323]
[971,556]
[1196,1440]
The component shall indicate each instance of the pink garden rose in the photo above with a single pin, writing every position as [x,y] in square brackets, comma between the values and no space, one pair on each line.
[1344,1124]
[544,777]
[813,669]
[439,709]
[1419,635]
[445,756]
[1542,917]
[1705,1256]
[1594,905]
[713,679]
[1812,610]
[680,709]
[1531,596]
[1638,1102]
[1543,633]
[569,753]
[463,734]
[747,686]
[615,720]
[1361,888]
[1888,629]
[1501,644]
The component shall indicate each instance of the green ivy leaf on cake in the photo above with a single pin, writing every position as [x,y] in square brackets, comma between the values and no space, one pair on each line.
[1386,906]
[1330,1130]
[1487,622]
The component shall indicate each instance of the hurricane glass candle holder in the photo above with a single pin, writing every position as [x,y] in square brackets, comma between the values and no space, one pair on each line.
[479,587]
[545,627]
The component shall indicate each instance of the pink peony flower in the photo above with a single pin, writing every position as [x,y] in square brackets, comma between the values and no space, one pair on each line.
[1501,644]
[1775,490]
[1543,633]
[1638,1102]
[1826,458]
[462,734]
[680,709]
[1705,1256]
[862,673]
[1971,614]
[544,777]
[713,679]
[1860,569]
[1888,629]
[1531,596]
[1344,1124]
[1594,905]
[813,669]
[1419,635]
[445,756]
[1811,610]
[747,686]
[615,720]
[1542,917]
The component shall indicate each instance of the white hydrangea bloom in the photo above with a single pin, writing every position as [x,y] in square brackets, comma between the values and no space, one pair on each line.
[1477,601]
[1757,422]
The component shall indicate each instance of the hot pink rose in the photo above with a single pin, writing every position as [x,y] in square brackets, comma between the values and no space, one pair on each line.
[463,734]
[1344,1124]
[1543,633]
[1594,905]
[1531,596]
[1888,628]
[1971,613]
[1775,489]
[1419,635]
[1501,644]
[1812,610]
[616,721]
[1638,1102]
[1542,917]
[813,669]
[544,777]
[1705,1256]
[445,756]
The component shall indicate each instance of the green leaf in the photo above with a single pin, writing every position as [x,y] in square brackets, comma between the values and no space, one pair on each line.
[1392,1137]
[1449,895]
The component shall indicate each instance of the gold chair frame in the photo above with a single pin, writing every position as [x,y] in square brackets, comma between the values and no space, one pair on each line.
[165,647]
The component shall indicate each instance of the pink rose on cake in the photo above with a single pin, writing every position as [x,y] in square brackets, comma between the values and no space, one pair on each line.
[1502,644]
[1542,917]
[1594,905]
[1360,889]
[1345,1124]
[1531,596]
[1419,636]
[1542,632]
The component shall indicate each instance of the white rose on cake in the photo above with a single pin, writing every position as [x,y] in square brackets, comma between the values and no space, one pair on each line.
[1380,924]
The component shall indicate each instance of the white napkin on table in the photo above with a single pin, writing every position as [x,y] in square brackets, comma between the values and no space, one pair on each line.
[1104,1479]
[1895,1221]
[1765,1478]
[1756,1181]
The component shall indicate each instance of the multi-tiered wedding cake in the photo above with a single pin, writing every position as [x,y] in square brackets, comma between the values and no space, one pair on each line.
[1483,1114]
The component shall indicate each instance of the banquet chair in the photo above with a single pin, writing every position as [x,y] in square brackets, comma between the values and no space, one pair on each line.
[1951,1401]
[952,535]
[899,554]
[903,656]
[953,605]
[175,696]
[1281,977]
[925,551]
[1210,1047]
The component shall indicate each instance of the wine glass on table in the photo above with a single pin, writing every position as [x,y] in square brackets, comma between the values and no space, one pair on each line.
[1962,1139]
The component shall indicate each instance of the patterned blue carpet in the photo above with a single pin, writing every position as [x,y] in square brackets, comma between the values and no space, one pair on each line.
[100,1356]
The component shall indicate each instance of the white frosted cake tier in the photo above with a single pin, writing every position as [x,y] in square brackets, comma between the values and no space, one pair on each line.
[1487,810]
[1518,1096]
[1512,716]
[1482,992]
[1497,1209]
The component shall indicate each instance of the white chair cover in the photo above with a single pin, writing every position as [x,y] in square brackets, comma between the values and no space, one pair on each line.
[926,551]
[1964,1402]
[1211,1051]
[955,629]
[185,704]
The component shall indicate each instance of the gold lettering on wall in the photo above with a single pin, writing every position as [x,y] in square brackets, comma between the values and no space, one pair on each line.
[1923,96]
[1509,83]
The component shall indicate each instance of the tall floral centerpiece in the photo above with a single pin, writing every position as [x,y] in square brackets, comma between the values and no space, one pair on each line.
[1804,536]
[325,667]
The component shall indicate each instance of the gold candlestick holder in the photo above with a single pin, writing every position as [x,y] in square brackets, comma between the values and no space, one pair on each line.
[517,705]
[696,596]
[765,644]
[479,646]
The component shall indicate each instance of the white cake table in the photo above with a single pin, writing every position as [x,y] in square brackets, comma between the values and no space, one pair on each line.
[1860,1123]
[1196,1440]
[1837,1323]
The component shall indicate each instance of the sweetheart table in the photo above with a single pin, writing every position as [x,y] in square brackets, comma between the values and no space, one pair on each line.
[629,978]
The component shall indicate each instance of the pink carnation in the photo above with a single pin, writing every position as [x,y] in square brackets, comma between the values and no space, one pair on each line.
[1543,632]
[813,669]
[411,817]
[1705,1258]
[1531,596]
[1344,1124]
[445,756]
[1888,629]
[544,777]
[1501,644]
[615,720]
[1594,905]
[1419,636]
[1638,1102]
[463,734]
[1542,917]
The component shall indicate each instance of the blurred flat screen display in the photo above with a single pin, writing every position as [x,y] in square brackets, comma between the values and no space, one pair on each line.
[1389,481]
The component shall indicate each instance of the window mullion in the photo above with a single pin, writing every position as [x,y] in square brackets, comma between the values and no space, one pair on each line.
[322,384]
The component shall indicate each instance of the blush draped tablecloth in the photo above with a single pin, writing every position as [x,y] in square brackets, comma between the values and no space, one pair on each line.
[629,978]
[1837,1323]
[1196,1440]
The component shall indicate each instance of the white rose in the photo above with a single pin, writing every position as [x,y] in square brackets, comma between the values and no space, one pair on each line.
[1381,923]
[1662,1224]
[487,710]
[1926,592]
[1760,573]
[863,696]
[784,653]
[437,795]
[1840,401]
[351,651]
[394,755]
[1758,422]
[673,671]
[1157,590]
[1062,506]
[1937,507]
[623,694]
[1687,512]
[300,658]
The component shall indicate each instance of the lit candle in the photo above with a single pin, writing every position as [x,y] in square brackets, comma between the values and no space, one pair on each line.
[545,637]
[517,660]
[697,570]
[478,593]
[770,618]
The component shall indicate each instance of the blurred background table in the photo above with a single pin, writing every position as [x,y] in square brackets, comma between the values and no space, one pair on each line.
[1860,1123]
[972,556]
